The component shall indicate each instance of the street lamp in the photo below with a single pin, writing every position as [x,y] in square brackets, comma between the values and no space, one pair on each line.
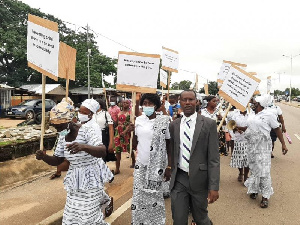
[291,56]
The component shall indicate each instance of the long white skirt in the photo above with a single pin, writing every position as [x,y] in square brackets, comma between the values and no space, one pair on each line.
[148,208]
[85,207]
[259,156]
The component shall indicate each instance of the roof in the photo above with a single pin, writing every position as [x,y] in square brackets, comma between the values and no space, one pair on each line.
[93,91]
[55,89]
[5,86]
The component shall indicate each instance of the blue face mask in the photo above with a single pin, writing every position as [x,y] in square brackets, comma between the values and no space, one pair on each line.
[64,132]
[148,110]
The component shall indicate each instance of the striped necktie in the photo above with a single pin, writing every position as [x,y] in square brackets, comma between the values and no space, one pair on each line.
[187,144]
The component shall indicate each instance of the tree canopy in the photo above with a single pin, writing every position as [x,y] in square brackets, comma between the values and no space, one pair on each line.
[13,43]
[182,85]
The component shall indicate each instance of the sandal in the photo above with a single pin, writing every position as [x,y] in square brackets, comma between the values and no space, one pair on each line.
[264,204]
[193,222]
[240,177]
[53,176]
[253,195]
[110,208]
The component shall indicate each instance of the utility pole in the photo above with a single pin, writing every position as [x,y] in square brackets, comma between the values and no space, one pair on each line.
[89,52]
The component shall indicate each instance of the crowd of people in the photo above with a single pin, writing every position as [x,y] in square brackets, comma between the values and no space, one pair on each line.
[176,152]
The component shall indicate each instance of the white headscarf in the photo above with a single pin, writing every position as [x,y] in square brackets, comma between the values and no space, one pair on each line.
[91,104]
[263,100]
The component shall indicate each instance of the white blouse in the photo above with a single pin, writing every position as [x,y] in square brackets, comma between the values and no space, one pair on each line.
[144,132]
[263,121]
[100,118]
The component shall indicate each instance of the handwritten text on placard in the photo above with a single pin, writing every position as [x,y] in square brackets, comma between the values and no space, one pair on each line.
[239,86]
[43,47]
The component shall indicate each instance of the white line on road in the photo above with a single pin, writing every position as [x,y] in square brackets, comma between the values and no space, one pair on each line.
[119,211]
[297,136]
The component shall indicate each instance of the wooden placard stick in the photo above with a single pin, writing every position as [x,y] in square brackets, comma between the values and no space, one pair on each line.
[224,117]
[132,116]
[67,84]
[169,78]
[43,112]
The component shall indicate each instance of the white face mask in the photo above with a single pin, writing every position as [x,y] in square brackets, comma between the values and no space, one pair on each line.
[83,117]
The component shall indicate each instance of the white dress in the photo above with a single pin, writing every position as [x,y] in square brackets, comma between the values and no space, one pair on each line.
[259,152]
[84,181]
[239,158]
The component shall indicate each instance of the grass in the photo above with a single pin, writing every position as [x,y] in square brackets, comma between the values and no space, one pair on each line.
[4,143]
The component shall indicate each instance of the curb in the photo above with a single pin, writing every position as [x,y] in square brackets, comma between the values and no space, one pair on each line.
[53,219]
[296,106]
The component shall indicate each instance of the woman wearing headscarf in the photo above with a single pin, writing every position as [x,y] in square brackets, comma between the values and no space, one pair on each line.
[84,181]
[212,111]
[239,157]
[122,134]
[153,163]
[257,132]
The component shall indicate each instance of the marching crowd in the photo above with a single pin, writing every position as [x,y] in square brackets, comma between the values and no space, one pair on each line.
[177,146]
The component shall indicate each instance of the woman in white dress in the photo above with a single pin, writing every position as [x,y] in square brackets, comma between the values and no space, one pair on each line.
[239,158]
[152,165]
[257,132]
[85,179]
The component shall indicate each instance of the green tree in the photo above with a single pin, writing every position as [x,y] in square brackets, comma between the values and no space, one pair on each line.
[213,88]
[182,85]
[13,43]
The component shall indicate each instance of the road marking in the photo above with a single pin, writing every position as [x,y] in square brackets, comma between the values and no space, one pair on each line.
[297,136]
[119,211]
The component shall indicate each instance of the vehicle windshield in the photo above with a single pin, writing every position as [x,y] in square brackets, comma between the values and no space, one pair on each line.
[28,103]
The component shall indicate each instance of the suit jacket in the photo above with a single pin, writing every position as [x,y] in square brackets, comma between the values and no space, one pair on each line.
[204,166]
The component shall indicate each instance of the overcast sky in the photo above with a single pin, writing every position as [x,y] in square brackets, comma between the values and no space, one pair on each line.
[204,33]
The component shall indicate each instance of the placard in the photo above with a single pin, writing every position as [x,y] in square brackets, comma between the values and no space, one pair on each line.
[206,89]
[226,65]
[269,84]
[238,87]
[170,60]
[137,72]
[163,78]
[67,61]
[43,46]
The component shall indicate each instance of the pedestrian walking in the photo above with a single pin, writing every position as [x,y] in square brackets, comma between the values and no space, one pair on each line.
[195,163]
[84,182]
[151,138]
[257,133]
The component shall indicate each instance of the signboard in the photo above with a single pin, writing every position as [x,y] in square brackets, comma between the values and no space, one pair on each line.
[43,46]
[206,89]
[170,60]
[67,61]
[238,87]
[137,72]
[226,65]
[269,84]
[163,78]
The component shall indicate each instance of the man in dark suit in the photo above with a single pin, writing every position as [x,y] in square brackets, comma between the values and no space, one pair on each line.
[195,163]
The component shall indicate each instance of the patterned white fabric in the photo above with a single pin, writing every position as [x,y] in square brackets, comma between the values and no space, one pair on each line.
[239,158]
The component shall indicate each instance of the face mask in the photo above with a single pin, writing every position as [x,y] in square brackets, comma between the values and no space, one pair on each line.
[64,132]
[148,110]
[83,117]
[112,103]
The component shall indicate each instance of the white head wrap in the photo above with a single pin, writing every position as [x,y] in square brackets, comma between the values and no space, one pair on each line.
[91,104]
[263,100]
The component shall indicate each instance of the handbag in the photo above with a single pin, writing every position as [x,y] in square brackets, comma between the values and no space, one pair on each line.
[105,139]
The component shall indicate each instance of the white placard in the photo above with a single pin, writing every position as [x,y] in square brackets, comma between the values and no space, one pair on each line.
[43,47]
[137,70]
[239,86]
[224,71]
[170,59]
[164,77]
[269,84]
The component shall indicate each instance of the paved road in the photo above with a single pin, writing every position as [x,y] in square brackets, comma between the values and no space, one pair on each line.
[35,201]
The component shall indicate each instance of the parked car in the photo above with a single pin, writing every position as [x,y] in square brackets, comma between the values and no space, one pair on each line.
[29,108]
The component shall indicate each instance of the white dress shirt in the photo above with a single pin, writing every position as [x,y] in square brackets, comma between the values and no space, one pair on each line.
[192,124]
